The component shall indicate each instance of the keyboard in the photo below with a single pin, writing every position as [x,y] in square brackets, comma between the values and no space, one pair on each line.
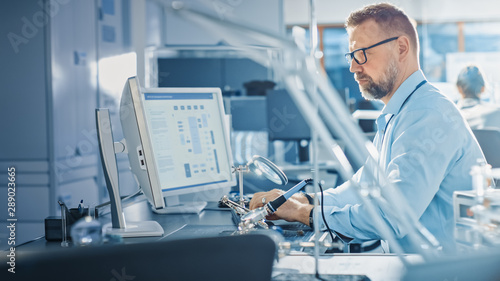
[294,232]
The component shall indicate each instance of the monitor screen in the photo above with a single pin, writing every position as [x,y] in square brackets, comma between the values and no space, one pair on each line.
[177,141]
[285,122]
[248,113]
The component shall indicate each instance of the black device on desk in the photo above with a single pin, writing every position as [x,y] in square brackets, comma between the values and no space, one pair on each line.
[53,225]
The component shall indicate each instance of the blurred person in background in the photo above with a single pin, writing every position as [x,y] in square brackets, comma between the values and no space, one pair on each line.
[479,115]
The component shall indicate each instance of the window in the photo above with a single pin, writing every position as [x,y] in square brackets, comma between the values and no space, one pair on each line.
[482,36]
[436,40]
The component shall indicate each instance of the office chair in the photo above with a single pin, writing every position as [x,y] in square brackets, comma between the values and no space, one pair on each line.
[243,257]
[489,140]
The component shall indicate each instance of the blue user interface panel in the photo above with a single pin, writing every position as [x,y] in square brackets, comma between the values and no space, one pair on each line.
[188,140]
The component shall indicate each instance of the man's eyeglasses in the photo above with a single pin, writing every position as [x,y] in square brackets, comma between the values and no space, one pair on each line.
[359,55]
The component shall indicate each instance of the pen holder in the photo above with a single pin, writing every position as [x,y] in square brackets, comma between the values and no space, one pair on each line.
[53,228]
[75,214]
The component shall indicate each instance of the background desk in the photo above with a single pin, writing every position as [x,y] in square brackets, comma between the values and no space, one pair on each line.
[377,267]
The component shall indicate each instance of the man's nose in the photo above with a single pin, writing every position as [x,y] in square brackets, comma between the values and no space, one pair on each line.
[354,67]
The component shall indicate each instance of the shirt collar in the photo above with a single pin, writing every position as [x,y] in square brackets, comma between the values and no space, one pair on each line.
[468,102]
[402,93]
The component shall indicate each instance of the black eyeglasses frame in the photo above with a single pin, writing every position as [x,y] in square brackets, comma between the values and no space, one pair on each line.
[350,56]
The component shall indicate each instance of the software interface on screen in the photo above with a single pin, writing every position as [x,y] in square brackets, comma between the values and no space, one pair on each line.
[187,137]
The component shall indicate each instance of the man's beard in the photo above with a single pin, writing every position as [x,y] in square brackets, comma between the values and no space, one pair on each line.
[377,91]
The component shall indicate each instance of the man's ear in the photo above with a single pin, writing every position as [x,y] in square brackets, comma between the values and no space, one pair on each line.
[403,47]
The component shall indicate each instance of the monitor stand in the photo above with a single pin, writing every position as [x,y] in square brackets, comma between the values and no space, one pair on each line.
[174,206]
[118,226]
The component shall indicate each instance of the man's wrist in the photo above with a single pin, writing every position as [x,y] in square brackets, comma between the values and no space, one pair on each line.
[309,198]
[305,213]
[304,198]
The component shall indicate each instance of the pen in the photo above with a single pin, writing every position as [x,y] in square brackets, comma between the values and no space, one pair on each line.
[80,207]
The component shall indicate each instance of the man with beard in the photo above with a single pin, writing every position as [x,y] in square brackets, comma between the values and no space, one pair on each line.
[425,147]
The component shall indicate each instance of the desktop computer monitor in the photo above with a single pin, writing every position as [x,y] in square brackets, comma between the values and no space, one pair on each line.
[286,123]
[249,127]
[248,113]
[177,143]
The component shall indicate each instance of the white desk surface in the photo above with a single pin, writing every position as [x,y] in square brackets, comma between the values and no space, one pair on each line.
[384,267]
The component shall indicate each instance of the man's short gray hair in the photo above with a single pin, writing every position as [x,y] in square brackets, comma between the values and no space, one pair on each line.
[389,17]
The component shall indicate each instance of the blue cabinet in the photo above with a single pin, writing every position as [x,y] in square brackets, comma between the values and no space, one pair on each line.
[49,94]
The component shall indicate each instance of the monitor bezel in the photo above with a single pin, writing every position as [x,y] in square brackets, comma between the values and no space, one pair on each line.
[133,126]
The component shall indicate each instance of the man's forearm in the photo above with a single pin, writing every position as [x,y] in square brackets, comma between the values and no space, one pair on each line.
[303,214]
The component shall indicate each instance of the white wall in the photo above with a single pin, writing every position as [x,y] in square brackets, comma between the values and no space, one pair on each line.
[260,14]
[335,11]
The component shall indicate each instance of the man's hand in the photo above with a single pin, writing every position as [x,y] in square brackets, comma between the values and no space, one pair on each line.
[259,199]
[296,208]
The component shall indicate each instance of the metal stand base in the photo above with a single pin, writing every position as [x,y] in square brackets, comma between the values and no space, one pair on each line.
[136,229]
[183,208]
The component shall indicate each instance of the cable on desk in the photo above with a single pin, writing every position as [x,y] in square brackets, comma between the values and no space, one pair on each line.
[326,224]
[123,198]
[33,240]
[323,213]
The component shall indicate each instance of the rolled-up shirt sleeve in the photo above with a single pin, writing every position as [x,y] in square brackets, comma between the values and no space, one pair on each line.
[342,195]
[346,221]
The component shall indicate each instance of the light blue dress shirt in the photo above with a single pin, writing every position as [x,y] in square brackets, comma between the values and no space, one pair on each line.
[427,151]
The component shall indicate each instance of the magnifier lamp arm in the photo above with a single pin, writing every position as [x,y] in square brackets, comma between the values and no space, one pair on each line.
[241,169]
